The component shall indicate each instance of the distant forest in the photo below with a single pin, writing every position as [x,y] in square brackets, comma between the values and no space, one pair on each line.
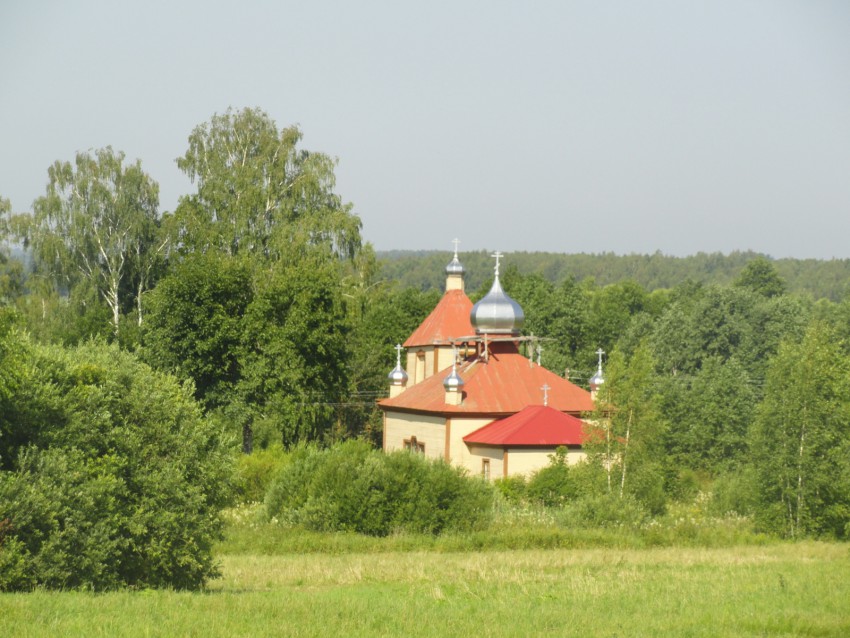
[812,278]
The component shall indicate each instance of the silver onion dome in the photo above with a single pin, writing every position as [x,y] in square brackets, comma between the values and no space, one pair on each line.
[496,313]
[454,267]
[453,382]
[397,376]
[597,379]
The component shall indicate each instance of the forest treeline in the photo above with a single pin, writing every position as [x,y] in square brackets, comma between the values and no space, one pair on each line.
[144,353]
[816,278]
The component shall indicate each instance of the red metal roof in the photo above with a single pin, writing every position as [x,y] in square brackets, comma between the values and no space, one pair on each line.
[450,319]
[536,425]
[502,385]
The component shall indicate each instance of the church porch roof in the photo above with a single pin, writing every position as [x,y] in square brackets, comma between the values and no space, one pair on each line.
[533,426]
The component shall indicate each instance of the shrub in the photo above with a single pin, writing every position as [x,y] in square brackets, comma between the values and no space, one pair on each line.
[352,487]
[552,486]
[604,511]
[116,479]
[512,488]
[735,492]
[256,471]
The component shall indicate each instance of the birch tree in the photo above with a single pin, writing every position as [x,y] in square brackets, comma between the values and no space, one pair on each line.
[801,439]
[258,193]
[97,223]
[627,437]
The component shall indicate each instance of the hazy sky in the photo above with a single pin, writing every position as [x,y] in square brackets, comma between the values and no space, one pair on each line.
[632,126]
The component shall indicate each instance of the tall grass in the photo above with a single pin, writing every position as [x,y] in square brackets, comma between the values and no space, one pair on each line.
[777,590]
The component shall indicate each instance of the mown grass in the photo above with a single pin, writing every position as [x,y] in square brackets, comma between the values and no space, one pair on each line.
[780,589]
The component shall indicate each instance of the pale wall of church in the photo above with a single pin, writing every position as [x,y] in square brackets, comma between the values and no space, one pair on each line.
[458,451]
[445,358]
[430,430]
[528,460]
[477,454]
[420,364]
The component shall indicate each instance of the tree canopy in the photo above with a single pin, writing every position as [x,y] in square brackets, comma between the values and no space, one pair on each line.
[258,193]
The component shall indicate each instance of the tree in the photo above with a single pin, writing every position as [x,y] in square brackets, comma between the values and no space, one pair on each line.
[258,193]
[194,326]
[294,352]
[11,270]
[761,277]
[709,416]
[628,432]
[801,439]
[97,224]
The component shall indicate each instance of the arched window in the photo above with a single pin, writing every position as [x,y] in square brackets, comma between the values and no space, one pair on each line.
[413,445]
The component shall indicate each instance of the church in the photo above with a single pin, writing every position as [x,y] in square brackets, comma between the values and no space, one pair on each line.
[469,395]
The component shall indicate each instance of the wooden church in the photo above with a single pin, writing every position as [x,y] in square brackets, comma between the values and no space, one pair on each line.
[470,396]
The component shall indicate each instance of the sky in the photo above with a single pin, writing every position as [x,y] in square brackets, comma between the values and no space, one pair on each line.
[566,126]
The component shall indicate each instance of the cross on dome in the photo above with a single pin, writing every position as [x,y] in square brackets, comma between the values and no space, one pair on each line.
[398,350]
[498,256]
[456,241]
[545,389]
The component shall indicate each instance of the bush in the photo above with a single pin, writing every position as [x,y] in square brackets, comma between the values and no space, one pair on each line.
[552,486]
[512,488]
[604,511]
[256,471]
[116,479]
[735,492]
[352,487]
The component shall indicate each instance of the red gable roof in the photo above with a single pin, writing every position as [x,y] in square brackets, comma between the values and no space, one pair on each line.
[536,425]
[450,319]
[502,385]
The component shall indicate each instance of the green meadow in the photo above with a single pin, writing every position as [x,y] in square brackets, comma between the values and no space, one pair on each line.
[772,589]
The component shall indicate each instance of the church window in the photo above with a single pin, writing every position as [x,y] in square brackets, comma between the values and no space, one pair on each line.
[413,445]
[485,469]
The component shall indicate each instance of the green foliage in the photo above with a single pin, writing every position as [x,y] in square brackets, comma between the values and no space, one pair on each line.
[805,277]
[628,431]
[194,324]
[801,439]
[256,471]
[552,485]
[761,277]
[352,487]
[110,475]
[512,488]
[295,349]
[258,193]
[735,492]
[604,511]
[709,415]
[97,223]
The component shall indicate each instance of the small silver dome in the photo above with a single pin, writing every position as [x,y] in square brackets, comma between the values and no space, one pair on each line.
[453,382]
[454,267]
[496,313]
[597,379]
[398,376]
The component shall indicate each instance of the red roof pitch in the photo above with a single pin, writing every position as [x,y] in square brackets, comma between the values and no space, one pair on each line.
[502,385]
[536,425]
[449,319]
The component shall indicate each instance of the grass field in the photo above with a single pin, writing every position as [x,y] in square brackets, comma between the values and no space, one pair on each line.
[776,589]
